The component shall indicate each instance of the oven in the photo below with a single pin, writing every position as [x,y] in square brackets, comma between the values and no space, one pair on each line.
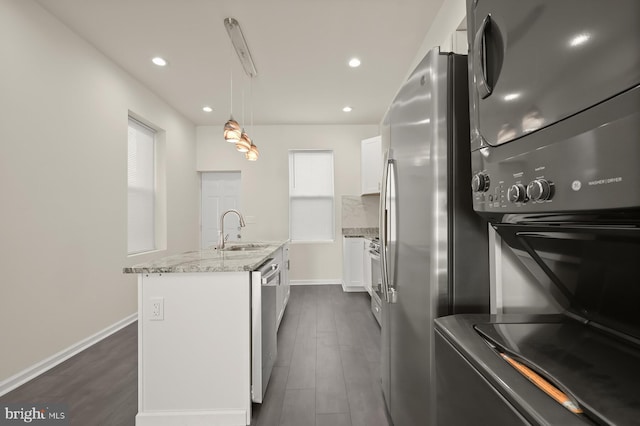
[376,280]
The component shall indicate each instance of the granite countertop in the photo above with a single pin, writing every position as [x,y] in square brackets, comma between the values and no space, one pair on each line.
[212,259]
[360,232]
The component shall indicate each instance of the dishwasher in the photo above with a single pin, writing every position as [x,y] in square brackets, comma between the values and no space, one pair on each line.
[264,347]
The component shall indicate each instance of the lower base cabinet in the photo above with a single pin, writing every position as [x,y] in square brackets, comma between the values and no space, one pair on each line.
[284,289]
[352,264]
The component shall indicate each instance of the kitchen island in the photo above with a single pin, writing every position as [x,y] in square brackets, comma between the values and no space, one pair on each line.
[195,334]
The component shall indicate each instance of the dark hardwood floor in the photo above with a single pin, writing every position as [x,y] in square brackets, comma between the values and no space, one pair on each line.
[326,373]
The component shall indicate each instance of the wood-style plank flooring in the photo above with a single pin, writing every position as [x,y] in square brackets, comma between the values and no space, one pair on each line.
[326,373]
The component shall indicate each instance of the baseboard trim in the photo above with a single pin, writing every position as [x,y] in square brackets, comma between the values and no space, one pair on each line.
[37,369]
[315,282]
[193,418]
[353,289]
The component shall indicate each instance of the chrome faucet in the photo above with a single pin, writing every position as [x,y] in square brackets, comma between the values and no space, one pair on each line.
[221,237]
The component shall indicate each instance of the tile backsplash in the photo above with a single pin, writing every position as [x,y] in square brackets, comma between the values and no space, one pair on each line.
[360,211]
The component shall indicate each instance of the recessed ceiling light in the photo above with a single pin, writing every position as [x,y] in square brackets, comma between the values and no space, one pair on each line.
[161,62]
[347,109]
[207,109]
[511,96]
[354,62]
[579,39]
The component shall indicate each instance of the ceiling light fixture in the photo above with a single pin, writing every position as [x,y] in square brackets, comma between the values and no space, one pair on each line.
[161,62]
[240,44]
[207,108]
[252,154]
[354,62]
[347,109]
[579,39]
[244,144]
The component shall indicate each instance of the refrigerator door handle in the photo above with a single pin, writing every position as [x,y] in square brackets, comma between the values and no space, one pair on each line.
[392,294]
[386,221]
[383,226]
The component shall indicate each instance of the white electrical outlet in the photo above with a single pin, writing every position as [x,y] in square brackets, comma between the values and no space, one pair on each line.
[156,309]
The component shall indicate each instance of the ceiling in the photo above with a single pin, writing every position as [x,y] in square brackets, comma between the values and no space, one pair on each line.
[300,49]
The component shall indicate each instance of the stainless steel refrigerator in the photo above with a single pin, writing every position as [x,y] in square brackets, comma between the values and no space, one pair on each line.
[434,254]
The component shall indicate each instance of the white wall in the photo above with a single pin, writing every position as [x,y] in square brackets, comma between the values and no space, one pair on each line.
[522,287]
[63,186]
[448,19]
[265,184]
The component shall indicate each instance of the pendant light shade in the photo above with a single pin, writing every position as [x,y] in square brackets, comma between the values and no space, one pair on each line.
[232,131]
[244,144]
[252,154]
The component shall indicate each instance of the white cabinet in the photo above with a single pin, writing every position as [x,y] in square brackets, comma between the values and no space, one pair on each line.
[371,165]
[366,268]
[284,289]
[195,361]
[352,264]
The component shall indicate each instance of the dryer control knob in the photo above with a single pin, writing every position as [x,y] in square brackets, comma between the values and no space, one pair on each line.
[517,193]
[539,190]
[480,182]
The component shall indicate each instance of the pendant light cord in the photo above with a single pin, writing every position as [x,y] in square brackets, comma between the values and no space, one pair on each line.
[231,77]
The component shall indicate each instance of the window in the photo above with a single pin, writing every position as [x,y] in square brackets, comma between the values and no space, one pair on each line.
[311,205]
[141,224]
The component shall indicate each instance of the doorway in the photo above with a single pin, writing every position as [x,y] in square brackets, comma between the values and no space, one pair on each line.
[220,191]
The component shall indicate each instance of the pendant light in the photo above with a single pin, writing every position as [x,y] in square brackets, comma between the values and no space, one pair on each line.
[244,144]
[241,139]
[252,154]
[232,131]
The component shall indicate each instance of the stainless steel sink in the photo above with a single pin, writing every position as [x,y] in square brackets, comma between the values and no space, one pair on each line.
[247,247]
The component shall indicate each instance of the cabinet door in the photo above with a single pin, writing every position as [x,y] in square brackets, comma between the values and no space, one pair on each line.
[366,269]
[353,249]
[279,259]
[537,62]
[371,165]
[284,288]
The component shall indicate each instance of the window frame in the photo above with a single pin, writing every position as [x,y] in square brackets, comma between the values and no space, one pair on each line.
[296,194]
[151,244]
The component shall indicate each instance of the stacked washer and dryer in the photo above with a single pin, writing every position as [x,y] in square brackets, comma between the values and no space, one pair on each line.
[555,129]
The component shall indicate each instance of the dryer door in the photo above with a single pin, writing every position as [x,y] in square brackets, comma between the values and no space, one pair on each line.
[537,62]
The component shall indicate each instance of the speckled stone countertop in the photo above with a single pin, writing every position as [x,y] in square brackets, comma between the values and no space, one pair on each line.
[360,232]
[212,260]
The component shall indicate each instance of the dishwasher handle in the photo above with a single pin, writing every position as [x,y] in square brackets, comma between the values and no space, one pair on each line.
[270,274]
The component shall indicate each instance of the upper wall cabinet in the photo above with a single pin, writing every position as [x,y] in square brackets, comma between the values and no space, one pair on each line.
[371,165]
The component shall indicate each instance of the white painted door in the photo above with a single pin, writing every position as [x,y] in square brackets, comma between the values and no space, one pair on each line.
[220,192]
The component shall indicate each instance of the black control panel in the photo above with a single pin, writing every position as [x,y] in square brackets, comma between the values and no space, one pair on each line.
[588,163]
